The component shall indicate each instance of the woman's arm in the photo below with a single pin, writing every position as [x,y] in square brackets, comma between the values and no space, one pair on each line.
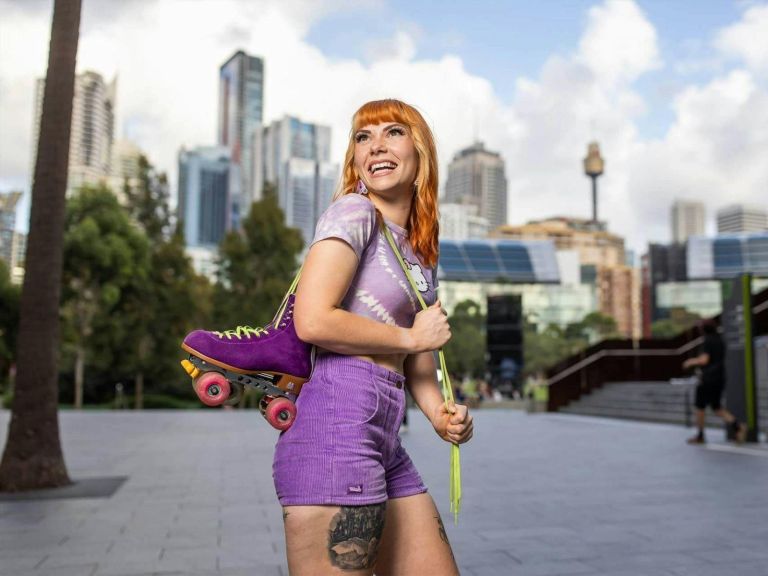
[328,271]
[452,423]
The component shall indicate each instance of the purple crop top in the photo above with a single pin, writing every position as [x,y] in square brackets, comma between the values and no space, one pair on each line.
[380,289]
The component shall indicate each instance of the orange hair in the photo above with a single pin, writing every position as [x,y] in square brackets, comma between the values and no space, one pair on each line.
[423,225]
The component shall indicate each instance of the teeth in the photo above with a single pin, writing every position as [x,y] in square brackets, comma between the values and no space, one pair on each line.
[378,165]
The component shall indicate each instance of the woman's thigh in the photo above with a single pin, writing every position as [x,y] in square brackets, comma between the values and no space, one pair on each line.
[330,540]
[414,542]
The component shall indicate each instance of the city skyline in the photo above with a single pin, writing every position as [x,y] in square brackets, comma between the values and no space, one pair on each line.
[675,111]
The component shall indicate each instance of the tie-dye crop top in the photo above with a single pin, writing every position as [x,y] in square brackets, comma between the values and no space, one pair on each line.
[380,289]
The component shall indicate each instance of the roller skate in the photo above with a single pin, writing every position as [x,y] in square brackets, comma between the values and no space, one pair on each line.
[272,360]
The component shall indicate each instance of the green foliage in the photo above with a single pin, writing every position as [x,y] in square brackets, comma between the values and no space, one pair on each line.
[548,347]
[256,266]
[594,327]
[465,351]
[174,299]
[679,321]
[106,259]
[9,321]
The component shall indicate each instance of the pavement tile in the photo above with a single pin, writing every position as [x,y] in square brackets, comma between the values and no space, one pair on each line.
[544,495]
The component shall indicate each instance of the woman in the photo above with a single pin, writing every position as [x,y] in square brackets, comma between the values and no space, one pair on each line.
[352,499]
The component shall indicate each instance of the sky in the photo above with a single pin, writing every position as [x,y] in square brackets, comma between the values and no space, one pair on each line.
[676,93]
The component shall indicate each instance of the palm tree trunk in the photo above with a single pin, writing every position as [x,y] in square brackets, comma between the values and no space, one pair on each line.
[33,458]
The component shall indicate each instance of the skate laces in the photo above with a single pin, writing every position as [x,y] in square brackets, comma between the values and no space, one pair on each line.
[242,331]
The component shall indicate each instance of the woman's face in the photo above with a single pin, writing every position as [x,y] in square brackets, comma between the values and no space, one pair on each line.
[385,157]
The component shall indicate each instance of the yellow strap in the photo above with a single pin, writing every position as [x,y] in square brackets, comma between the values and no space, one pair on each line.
[455,481]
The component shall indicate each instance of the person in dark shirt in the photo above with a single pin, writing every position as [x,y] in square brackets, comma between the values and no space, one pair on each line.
[709,391]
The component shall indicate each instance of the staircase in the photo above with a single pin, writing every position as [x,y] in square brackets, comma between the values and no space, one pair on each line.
[648,401]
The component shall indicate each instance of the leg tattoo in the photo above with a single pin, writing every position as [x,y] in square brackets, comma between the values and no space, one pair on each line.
[285,514]
[444,534]
[354,536]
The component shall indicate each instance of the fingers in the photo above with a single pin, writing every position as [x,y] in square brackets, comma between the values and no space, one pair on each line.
[460,424]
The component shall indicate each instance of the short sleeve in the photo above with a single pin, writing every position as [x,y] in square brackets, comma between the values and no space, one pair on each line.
[351,218]
[435,282]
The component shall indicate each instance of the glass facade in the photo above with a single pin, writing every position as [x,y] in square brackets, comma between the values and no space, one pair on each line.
[517,261]
[727,255]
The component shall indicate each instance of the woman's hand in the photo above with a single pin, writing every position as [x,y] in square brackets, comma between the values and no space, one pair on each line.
[452,423]
[430,329]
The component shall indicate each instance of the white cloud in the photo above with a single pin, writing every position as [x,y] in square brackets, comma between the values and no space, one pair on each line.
[747,39]
[619,43]
[168,52]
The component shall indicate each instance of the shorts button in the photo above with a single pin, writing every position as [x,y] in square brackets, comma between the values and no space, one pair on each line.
[399,384]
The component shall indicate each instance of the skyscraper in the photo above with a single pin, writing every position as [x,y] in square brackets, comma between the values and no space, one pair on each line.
[476,177]
[742,218]
[93,129]
[8,204]
[687,219]
[204,200]
[461,222]
[241,105]
[295,157]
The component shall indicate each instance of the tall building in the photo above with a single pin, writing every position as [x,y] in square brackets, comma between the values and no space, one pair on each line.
[295,157]
[8,204]
[602,263]
[93,129]
[458,222]
[204,195]
[687,219]
[742,218]
[124,168]
[476,177]
[241,105]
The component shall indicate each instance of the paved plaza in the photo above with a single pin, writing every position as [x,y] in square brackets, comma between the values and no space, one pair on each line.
[544,494]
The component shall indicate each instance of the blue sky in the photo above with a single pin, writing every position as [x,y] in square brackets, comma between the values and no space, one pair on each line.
[502,41]
[675,91]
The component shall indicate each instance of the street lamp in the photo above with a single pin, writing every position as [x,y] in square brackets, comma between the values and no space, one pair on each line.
[593,167]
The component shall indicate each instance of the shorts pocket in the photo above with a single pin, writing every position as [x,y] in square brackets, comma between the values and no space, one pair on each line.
[357,400]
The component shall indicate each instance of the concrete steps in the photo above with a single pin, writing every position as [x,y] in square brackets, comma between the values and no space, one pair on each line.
[646,401]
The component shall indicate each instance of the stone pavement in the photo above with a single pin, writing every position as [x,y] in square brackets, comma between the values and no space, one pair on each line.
[544,494]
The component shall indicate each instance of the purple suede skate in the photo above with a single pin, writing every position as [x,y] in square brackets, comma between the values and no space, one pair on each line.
[274,348]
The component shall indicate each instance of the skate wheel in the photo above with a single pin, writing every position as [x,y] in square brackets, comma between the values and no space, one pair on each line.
[212,389]
[280,413]
[237,391]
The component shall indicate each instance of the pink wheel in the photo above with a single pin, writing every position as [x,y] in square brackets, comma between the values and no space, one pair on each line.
[212,388]
[280,413]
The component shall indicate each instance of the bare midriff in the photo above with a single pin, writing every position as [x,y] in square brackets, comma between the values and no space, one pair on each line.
[393,362]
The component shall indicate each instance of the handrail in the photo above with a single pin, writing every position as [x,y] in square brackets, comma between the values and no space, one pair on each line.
[625,352]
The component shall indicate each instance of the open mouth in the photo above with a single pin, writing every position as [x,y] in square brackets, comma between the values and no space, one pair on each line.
[381,168]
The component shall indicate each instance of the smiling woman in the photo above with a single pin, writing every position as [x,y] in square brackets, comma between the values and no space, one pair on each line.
[353,500]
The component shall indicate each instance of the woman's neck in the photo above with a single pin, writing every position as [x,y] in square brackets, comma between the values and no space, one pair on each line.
[396,210]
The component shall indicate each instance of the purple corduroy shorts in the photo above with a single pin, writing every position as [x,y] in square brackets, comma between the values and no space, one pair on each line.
[344,449]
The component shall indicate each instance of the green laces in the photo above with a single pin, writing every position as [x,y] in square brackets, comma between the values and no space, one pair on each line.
[242,331]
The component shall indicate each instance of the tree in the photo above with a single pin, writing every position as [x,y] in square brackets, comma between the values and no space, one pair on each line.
[594,327]
[32,457]
[679,321]
[173,301]
[105,258]
[9,321]
[548,347]
[256,266]
[465,351]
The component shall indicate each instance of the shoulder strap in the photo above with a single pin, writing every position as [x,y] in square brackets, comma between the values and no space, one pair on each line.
[455,482]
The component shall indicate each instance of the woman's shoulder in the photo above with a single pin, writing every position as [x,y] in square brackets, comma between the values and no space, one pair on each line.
[350,208]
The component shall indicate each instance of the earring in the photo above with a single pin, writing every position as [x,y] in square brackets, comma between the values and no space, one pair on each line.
[361,189]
